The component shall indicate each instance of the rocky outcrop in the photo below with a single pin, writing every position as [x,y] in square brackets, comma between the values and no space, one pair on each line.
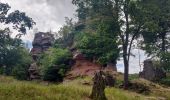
[42,41]
[34,72]
[151,72]
[85,67]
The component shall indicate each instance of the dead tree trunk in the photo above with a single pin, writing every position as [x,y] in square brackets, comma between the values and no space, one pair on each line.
[98,87]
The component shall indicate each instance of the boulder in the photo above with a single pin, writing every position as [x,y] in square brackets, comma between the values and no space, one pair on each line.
[151,72]
[33,71]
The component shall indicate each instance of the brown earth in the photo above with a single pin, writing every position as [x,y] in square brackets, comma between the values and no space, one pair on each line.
[85,67]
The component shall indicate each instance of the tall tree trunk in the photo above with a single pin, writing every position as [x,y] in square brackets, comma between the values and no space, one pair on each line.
[99,85]
[126,68]
[125,46]
[163,48]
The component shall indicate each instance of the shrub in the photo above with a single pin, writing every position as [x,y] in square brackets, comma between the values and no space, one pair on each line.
[20,70]
[166,61]
[165,81]
[54,64]
[52,74]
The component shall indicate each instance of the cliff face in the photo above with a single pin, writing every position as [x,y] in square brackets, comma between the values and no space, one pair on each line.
[85,67]
[42,41]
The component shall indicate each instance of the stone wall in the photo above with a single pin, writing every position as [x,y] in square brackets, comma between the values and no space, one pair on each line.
[151,72]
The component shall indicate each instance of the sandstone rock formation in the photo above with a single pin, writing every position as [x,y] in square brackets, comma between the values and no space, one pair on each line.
[151,72]
[42,41]
[34,72]
[85,67]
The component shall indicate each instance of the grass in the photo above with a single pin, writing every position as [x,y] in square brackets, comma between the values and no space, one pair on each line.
[11,89]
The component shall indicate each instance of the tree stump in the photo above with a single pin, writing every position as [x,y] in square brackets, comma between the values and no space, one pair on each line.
[98,87]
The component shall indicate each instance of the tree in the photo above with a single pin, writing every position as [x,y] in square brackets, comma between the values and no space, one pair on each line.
[65,35]
[18,19]
[54,64]
[129,15]
[22,64]
[9,46]
[156,30]
[99,48]
[99,31]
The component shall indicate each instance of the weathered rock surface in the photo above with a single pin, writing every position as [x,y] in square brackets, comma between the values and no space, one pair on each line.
[42,41]
[34,72]
[151,72]
[85,67]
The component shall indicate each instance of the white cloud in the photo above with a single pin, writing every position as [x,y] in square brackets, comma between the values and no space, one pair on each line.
[48,14]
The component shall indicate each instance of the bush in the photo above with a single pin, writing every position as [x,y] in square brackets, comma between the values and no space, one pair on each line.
[52,74]
[165,81]
[20,70]
[54,64]
[166,61]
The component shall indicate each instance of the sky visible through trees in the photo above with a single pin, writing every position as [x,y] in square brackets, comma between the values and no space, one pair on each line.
[48,16]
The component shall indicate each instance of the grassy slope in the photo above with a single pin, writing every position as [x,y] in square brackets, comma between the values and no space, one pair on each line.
[11,89]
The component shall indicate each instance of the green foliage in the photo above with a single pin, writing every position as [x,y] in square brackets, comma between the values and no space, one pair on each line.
[156,27]
[165,81]
[166,61]
[18,19]
[98,39]
[65,35]
[71,90]
[100,48]
[12,53]
[133,76]
[55,63]
[20,70]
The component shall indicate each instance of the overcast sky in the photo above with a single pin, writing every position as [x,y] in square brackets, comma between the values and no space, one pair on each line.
[50,15]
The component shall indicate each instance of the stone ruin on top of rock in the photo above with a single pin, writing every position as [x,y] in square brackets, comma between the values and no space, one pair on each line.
[42,41]
[151,72]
